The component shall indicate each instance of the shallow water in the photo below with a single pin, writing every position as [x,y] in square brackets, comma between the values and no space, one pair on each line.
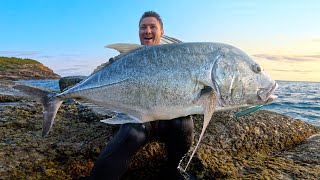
[300,100]
[51,84]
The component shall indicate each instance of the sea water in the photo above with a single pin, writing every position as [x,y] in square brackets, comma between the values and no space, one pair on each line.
[51,84]
[299,100]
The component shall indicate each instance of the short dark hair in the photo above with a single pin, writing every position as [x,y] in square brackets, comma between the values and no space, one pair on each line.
[151,14]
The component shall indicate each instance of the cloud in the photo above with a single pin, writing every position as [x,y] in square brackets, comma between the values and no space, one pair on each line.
[82,65]
[77,54]
[288,58]
[316,40]
[79,69]
[68,69]
[46,56]
[19,53]
[38,54]
[73,71]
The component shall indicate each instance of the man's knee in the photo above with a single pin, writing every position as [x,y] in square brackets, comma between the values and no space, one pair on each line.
[182,125]
[178,137]
[136,133]
[179,130]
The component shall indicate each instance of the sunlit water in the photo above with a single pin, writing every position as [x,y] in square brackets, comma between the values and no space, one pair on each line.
[51,84]
[299,100]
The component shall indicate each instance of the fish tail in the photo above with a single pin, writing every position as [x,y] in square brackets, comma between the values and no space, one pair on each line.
[49,101]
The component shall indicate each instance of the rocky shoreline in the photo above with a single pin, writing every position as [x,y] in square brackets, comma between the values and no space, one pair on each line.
[263,145]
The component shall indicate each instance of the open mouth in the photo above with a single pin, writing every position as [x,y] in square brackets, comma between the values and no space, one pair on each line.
[266,95]
[148,38]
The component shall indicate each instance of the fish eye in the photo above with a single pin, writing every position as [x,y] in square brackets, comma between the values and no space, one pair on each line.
[256,68]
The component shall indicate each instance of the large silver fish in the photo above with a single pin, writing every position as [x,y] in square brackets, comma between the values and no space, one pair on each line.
[164,82]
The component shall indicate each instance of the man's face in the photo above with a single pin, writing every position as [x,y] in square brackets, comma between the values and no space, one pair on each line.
[150,31]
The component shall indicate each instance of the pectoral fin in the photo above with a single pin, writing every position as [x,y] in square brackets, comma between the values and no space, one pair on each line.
[207,100]
[121,118]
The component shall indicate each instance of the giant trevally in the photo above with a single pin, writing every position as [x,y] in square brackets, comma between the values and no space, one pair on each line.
[164,82]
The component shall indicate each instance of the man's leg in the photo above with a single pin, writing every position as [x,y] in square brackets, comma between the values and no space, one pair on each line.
[114,159]
[178,137]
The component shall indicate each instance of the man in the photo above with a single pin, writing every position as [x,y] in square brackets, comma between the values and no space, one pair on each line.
[177,134]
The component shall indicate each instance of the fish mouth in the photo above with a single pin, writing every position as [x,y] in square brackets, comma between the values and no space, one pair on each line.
[265,94]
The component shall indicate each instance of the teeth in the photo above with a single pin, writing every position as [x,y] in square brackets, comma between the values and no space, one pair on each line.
[271,98]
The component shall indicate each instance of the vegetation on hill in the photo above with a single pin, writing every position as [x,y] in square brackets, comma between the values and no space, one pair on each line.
[12,68]
[13,62]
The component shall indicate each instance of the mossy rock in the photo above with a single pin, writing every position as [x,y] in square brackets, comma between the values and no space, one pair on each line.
[244,148]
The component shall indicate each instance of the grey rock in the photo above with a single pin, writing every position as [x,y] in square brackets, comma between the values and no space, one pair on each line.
[69,81]
[306,152]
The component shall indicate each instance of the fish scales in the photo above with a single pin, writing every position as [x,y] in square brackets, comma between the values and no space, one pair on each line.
[165,82]
[168,83]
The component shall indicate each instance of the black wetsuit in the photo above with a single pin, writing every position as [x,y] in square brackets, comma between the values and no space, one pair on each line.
[177,134]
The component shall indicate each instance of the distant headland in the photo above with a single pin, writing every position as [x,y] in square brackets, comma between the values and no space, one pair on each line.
[12,68]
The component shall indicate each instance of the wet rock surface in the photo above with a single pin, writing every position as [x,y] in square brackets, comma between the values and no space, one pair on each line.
[68,152]
[263,145]
[69,81]
[307,152]
[252,147]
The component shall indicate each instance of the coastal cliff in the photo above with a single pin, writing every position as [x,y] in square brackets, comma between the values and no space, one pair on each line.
[12,68]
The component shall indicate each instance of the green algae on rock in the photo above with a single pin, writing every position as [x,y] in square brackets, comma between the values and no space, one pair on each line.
[255,146]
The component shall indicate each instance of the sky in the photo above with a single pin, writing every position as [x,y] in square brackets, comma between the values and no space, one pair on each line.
[69,36]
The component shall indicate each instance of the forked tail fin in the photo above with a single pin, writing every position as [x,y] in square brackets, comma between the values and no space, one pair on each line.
[49,101]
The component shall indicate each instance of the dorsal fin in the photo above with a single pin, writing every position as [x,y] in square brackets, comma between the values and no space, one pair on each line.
[169,40]
[126,47]
[123,47]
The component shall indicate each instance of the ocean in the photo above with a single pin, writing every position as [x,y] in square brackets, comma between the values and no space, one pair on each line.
[52,84]
[299,100]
